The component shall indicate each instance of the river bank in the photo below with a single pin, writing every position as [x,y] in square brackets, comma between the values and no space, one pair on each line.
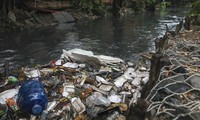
[173,87]
[29,14]
[20,19]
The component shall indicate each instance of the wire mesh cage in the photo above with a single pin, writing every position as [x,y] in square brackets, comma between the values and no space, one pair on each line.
[176,94]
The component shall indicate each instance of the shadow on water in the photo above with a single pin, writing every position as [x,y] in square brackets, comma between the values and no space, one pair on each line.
[123,37]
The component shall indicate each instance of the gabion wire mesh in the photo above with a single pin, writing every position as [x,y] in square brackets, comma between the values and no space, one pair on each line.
[176,94]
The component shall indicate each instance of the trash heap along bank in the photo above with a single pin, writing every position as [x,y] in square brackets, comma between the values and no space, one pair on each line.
[78,86]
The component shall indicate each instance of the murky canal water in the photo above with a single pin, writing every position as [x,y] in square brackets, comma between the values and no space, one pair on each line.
[123,37]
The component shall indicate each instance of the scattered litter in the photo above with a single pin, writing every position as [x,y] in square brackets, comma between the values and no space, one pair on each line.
[115,98]
[7,94]
[79,85]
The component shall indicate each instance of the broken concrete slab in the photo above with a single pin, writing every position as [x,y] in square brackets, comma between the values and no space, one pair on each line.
[63,17]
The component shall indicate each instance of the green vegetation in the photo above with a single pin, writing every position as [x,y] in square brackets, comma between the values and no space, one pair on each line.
[195,12]
[195,8]
[139,5]
[150,4]
[165,4]
[142,5]
[95,6]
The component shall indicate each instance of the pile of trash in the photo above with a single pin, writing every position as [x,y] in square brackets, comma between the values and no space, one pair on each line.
[79,86]
[177,92]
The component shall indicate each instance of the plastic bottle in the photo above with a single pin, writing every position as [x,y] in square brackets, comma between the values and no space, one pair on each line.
[113,116]
[32,98]
[44,115]
[46,112]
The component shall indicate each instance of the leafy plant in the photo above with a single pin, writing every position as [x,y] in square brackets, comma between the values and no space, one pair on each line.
[145,4]
[196,7]
[150,4]
[91,5]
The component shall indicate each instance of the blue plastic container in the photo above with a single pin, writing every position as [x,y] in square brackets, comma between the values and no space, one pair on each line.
[32,98]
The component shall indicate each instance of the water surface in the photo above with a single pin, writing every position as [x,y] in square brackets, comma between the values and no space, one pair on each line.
[125,37]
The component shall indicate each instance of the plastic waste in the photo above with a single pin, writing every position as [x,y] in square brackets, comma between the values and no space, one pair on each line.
[109,59]
[44,115]
[136,82]
[145,80]
[93,111]
[51,105]
[12,79]
[98,100]
[115,98]
[46,71]
[70,65]
[80,85]
[85,93]
[102,80]
[12,104]
[121,117]
[52,63]
[7,94]
[124,95]
[80,55]
[106,88]
[105,69]
[120,81]
[78,105]
[4,83]
[32,73]
[99,90]
[59,62]
[129,74]
[113,116]
[67,89]
[32,94]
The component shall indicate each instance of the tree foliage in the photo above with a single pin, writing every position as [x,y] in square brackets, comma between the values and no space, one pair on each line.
[150,4]
[196,7]
[90,5]
[145,5]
